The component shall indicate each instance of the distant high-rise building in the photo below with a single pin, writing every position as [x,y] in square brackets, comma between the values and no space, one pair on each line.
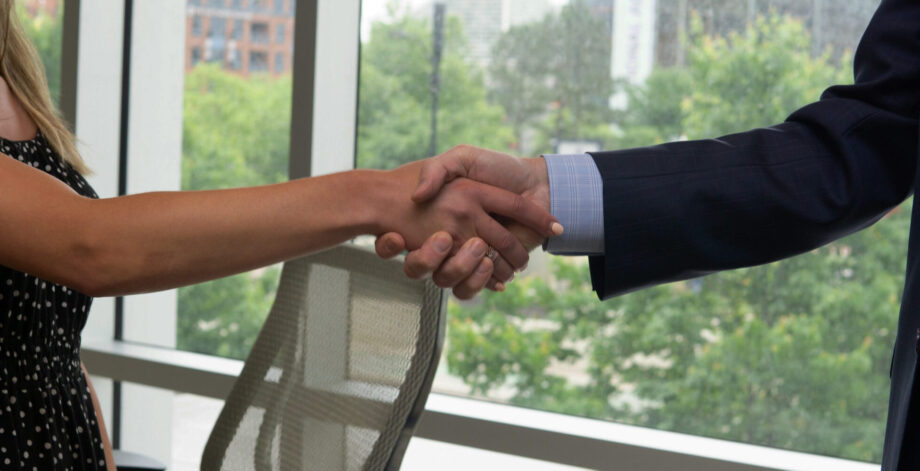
[35,6]
[833,25]
[485,20]
[243,36]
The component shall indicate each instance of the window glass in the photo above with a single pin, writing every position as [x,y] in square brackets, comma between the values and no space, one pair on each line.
[791,355]
[259,33]
[42,22]
[236,125]
[238,29]
[279,62]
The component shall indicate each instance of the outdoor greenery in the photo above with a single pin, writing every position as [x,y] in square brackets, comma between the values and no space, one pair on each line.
[793,354]
[46,32]
[235,133]
[395,95]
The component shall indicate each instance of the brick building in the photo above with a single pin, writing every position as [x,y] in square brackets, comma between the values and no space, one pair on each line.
[35,6]
[243,36]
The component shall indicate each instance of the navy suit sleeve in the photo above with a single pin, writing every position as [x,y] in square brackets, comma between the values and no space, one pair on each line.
[686,209]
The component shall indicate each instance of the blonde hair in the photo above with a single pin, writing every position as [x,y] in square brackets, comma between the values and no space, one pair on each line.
[22,68]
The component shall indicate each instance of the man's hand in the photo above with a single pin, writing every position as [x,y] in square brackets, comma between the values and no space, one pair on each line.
[526,177]
[464,209]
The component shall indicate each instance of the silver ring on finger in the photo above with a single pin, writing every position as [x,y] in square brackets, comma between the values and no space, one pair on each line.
[493,254]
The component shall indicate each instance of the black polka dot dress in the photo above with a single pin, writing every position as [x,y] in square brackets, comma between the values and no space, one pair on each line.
[47,420]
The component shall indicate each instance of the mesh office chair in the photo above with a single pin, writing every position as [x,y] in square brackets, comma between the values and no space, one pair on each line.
[340,372]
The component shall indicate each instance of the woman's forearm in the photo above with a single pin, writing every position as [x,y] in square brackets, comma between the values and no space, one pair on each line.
[155,241]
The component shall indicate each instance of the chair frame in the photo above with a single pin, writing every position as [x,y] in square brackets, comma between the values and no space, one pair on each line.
[267,347]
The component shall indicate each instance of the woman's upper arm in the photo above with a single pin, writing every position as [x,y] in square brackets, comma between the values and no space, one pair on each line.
[45,231]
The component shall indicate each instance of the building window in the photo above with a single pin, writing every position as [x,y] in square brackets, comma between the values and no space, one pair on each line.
[258,33]
[238,29]
[196,25]
[279,6]
[216,43]
[217,28]
[195,56]
[234,59]
[279,62]
[279,34]
[258,61]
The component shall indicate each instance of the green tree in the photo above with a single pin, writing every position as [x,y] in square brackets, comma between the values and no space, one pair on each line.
[554,75]
[235,133]
[395,105]
[793,354]
[223,317]
[46,33]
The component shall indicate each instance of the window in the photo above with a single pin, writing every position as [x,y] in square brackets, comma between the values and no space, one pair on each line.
[195,56]
[234,59]
[279,33]
[217,28]
[196,25]
[260,5]
[279,62]
[222,148]
[258,33]
[238,29]
[743,355]
[258,61]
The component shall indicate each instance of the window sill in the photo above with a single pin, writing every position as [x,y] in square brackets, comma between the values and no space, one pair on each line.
[540,435]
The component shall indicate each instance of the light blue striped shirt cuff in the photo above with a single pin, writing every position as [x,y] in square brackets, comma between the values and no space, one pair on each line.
[576,200]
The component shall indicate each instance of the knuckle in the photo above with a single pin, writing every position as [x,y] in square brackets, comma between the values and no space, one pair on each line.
[507,242]
[460,149]
[517,204]
[448,276]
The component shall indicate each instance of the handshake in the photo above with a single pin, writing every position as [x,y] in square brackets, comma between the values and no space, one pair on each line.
[474,216]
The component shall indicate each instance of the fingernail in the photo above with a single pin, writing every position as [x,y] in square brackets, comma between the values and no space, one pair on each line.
[499,286]
[391,245]
[442,243]
[483,268]
[557,228]
[478,249]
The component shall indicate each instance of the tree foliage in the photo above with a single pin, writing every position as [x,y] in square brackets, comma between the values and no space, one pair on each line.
[46,33]
[554,76]
[394,110]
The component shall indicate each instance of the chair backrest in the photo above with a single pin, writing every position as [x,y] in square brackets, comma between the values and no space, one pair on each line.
[340,371]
